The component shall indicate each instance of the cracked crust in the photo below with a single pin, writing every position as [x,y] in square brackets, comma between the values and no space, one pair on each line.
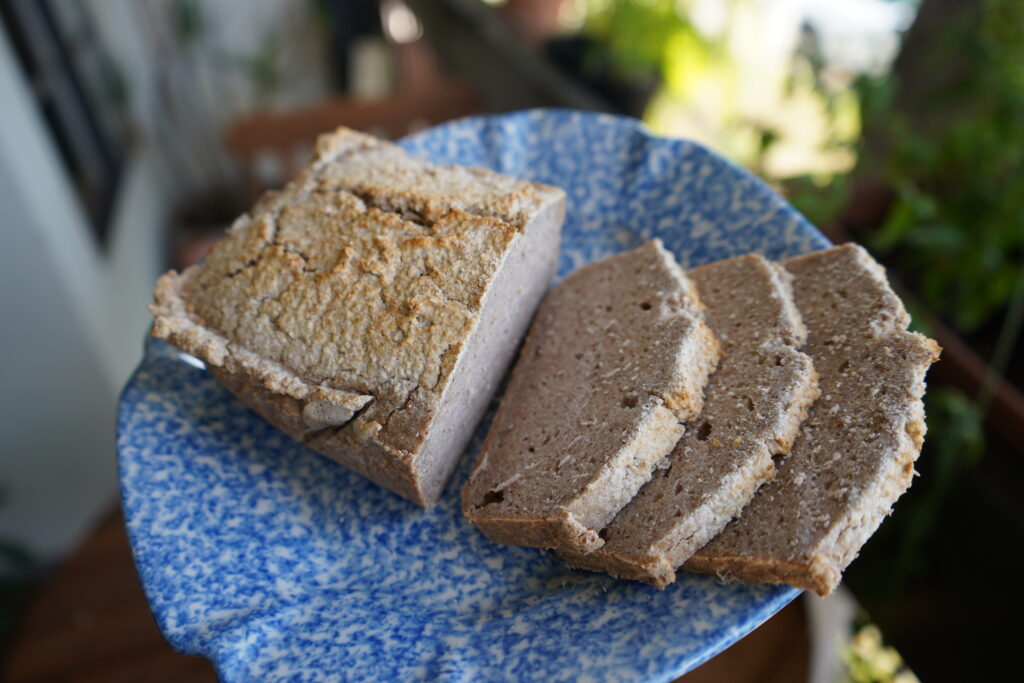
[615,362]
[345,308]
[855,453]
[754,403]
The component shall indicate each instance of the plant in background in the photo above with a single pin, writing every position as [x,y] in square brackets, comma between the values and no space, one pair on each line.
[642,34]
[653,42]
[629,49]
[956,444]
[868,660]
[956,165]
[957,224]
[729,80]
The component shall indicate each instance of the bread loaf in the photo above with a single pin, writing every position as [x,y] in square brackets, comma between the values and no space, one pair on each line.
[370,309]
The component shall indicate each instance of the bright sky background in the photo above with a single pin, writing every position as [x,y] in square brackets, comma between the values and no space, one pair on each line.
[861,35]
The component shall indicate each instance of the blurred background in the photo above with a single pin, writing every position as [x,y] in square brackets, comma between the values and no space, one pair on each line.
[133,131]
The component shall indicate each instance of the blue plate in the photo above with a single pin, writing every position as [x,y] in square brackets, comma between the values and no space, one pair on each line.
[278,564]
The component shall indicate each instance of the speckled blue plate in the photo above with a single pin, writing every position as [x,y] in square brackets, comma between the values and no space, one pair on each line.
[280,565]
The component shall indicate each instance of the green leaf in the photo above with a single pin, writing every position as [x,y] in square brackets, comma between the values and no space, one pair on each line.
[897,226]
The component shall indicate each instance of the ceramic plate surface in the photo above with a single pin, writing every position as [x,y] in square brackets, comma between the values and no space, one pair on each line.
[278,564]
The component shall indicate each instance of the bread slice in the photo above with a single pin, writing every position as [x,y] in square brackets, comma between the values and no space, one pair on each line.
[614,363]
[753,406]
[371,308]
[855,453]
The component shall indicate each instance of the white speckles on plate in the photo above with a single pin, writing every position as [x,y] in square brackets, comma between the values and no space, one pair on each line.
[280,565]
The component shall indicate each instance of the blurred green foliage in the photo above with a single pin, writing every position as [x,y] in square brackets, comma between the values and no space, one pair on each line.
[956,444]
[868,660]
[956,226]
[642,35]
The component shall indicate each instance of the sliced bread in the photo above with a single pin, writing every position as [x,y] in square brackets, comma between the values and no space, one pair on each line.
[614,364]
[855,453]
[370,309]
[753,406]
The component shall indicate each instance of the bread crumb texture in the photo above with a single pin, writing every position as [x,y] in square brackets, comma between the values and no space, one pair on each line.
[615,361]
[347,296]
[754,403]
[855,453]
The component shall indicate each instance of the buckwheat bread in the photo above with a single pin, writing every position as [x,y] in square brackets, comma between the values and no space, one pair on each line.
[753,405]
[614,364]
[371,307]
[855,453]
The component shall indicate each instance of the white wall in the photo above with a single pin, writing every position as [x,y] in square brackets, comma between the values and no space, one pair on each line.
[72,320]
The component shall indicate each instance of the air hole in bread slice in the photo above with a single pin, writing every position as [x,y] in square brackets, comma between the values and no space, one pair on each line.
[703,431]
[492,497]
